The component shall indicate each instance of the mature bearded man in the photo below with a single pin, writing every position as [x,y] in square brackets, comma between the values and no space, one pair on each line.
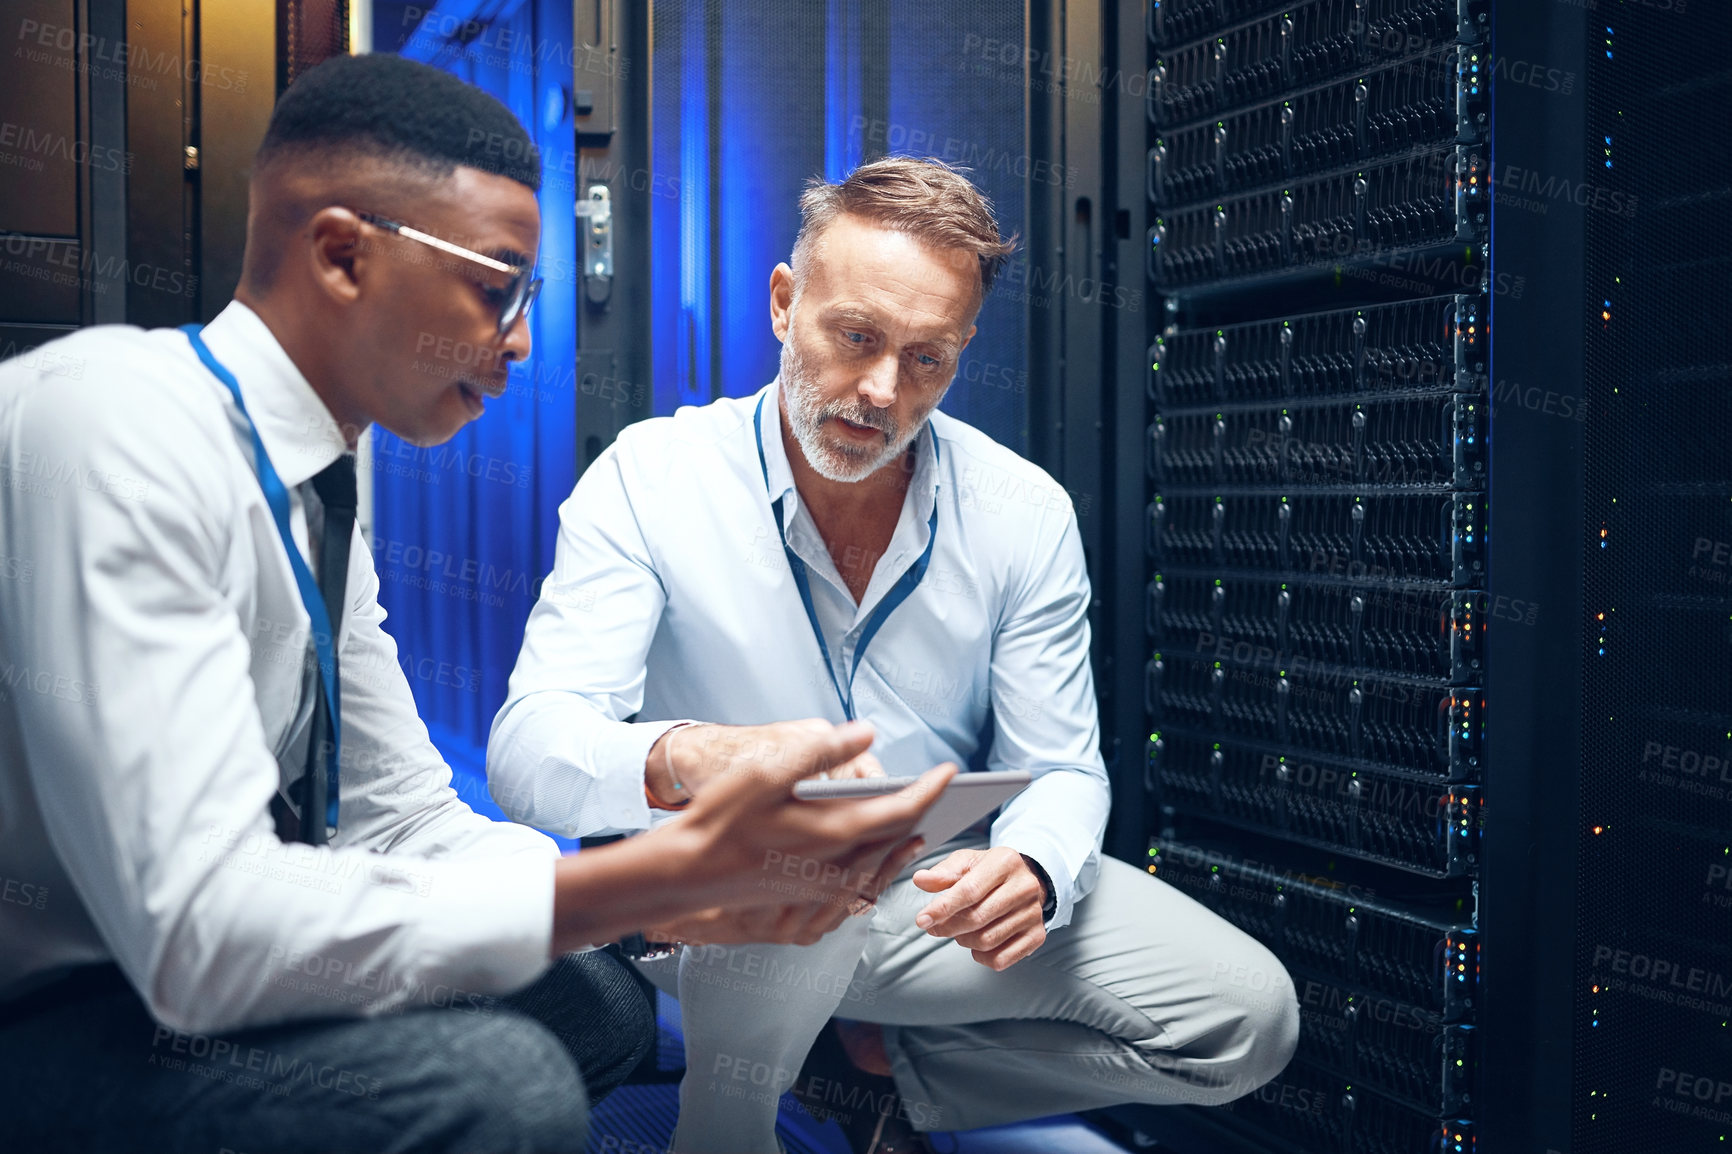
[834,545]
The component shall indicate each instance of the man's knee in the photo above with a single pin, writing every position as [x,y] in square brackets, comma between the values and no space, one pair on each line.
[514,1086]
[630,1034]
[599,1010]
[1268,1025]
[1247,1033]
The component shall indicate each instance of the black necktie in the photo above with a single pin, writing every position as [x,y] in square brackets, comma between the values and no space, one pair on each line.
[335,485]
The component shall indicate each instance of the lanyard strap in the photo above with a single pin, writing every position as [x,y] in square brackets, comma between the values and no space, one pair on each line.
[277,497]
[899,592]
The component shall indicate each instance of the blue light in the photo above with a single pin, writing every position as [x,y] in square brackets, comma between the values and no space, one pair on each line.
[1608,164]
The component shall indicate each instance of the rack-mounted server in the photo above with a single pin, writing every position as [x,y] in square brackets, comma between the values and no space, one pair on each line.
[1299,138]
[1316,532]
[1386,993]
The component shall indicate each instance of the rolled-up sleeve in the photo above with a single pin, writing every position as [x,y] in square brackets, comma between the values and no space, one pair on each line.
[561,755]
[1046,722]
[153,782]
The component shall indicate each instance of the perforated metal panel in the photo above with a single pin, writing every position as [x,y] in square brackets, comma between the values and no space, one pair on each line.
[1653,987]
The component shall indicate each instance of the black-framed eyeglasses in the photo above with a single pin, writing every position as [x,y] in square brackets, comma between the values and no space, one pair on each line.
[519,292]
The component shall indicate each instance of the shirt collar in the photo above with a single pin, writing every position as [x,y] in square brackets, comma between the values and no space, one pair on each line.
[924,488]
[298,431]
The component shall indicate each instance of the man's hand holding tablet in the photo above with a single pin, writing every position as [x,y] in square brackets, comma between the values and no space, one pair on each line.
[991,901]
[743,828]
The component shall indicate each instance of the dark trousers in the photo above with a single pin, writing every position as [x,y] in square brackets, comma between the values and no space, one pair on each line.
[93,1072]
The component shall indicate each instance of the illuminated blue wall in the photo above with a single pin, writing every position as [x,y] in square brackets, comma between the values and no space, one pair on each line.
[751,100]
[464,532]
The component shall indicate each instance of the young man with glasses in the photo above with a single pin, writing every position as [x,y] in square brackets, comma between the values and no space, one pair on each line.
[258,916]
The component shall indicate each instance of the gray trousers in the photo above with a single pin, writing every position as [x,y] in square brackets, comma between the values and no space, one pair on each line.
[96,1074]
[1145,996]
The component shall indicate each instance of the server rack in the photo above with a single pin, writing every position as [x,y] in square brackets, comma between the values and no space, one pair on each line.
[1436,650]
[1318,386]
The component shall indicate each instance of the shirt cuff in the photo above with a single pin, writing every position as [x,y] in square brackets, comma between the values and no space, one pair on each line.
[622,793]
[1063,885]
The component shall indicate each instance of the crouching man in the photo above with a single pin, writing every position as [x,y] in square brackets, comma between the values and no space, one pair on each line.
[835,546]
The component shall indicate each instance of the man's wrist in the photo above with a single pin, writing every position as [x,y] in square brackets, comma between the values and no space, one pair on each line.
[611,890]
[1049,906]
[663,784]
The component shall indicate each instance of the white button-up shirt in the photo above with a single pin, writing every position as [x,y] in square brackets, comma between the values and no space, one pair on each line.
[671,598]
[153,656]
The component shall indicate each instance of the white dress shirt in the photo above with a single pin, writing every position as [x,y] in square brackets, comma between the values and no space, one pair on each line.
[153,671]
[671,599]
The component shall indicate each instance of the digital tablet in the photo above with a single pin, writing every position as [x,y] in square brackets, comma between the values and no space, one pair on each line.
[968,797]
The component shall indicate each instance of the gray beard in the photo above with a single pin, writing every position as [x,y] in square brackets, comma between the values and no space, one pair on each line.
[807,413]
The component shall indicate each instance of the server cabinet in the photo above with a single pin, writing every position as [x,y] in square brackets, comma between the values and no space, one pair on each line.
[127,131]
[1435,643]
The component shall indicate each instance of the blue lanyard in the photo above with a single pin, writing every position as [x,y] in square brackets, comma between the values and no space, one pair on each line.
[277,497]
[898,593]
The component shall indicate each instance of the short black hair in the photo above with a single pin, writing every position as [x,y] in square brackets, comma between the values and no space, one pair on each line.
[400,109]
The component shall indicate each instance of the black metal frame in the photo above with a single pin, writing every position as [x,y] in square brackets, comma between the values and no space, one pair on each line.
[1527,907]
[612,319]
